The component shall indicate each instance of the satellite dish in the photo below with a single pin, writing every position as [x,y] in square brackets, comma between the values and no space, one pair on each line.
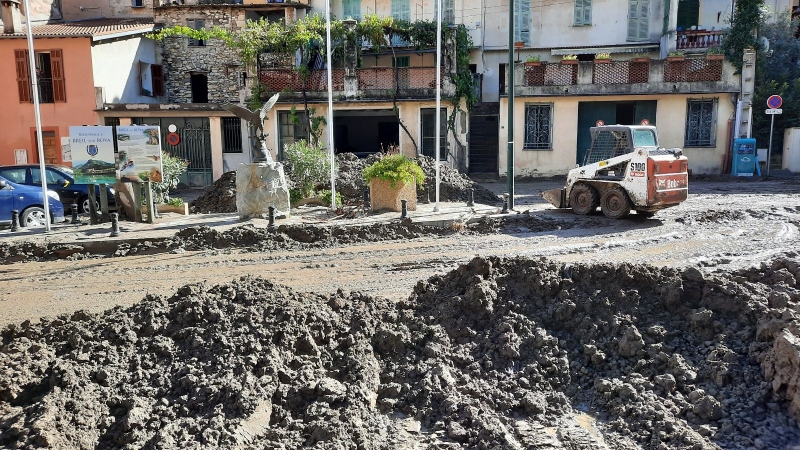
[764,43]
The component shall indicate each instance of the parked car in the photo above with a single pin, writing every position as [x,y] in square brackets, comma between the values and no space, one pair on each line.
[60,179]
[30,204]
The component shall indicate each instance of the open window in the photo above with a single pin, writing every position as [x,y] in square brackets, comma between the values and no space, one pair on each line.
[151,79]
[49,73]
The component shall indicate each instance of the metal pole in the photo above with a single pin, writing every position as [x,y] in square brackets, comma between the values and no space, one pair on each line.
[510,88]
[330,102]
[438,94]
[35,93]
[769,149]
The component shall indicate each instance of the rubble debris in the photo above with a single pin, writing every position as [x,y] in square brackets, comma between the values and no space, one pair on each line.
[499,353]
[219,198]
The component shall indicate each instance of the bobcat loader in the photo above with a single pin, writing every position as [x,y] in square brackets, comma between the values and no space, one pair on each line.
[624,170]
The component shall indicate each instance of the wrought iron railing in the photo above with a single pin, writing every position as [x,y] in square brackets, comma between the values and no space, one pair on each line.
[231,135]
[46,90]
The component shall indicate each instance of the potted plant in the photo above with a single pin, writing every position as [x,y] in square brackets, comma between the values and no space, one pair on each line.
[519,44]
[715,54]
[392,179]
[676,56]
[533,61]
[569,59]
[640,57]
[602,58]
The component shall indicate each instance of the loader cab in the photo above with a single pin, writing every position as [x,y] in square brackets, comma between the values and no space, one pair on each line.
[611,141]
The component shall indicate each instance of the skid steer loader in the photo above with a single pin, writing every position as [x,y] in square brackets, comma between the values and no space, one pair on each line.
[624,170]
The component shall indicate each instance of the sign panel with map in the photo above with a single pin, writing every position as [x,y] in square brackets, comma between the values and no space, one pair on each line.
[139,153]
[92,151]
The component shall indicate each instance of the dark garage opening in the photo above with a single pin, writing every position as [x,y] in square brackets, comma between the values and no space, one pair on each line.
[365,132]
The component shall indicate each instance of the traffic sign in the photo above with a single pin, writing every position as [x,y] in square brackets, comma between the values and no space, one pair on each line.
[173,139]
[774,111]
[774,102]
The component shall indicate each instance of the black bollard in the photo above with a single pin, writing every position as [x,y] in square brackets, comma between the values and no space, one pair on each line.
[75,220]
[403,208]
[505,204]
[366,199]
[14,220]
[114,225]
[271,217]
[471,201]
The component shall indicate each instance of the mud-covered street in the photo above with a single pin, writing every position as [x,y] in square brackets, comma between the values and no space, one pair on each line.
[537,330]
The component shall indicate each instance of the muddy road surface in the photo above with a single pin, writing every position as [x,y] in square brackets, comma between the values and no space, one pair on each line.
[723,225]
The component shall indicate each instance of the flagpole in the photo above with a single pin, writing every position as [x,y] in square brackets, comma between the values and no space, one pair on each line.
[438,95]
[330,102]
[35,87]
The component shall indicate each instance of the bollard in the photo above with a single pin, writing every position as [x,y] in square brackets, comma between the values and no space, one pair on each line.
[403,208]
[366,199]
[14,220]
[114,225]
[271,217]
[471,201]
[75,220]
[505,204]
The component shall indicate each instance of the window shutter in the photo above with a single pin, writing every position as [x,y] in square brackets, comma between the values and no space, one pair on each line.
[522,21]
[57,69]
[351,8]
[157,72]
[23,78]
[578,13]
[638,20]
[582,12]
[587,12]
[644,21]
[401,9]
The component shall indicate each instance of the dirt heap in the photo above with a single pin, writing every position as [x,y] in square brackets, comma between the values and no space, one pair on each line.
[219,198]
[454,185]
[500,353]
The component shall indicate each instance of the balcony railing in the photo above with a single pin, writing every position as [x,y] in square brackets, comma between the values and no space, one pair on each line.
[698,39]
[280,80]
[693,70]
[551,74]
[382,78]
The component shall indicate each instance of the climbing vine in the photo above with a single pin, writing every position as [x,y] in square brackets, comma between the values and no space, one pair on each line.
[748,17]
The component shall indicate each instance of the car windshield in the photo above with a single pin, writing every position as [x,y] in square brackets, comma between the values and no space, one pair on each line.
[644,138]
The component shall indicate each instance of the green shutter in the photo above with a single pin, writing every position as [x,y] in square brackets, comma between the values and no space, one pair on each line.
[448,11]
[522,21]
[638,20]
[351,8]
[582,12]
[401,9]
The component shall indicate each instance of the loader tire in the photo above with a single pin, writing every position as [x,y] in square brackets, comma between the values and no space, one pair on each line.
[615,203]
[584,199]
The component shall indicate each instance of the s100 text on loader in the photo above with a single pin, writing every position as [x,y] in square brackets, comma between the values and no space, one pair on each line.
[624,170]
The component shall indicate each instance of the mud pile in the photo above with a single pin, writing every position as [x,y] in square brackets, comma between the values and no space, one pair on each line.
[499,353]
[219,198]
[454,186]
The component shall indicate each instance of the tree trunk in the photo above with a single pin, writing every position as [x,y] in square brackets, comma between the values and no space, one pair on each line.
[396,108]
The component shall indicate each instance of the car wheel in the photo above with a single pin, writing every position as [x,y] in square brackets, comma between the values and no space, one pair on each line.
[615,203]
[85,205]
[584,199]
[33,217]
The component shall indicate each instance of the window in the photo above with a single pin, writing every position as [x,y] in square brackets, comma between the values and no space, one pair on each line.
[429,133]
[14,175]
[522,21]
[638,20]
[582,13]
[231,135]
[137,3]
[50,76]
[448,11]
[291,128]
[538,126]
[151,79]
[401,9]
[199,88]
[644,138]
[196,24]
[701,123]
[401,61]
[52,176]
[351,9]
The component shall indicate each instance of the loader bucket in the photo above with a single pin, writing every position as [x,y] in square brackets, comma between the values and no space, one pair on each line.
[556,197]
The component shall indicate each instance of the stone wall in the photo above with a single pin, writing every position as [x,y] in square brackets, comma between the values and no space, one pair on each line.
[220,64]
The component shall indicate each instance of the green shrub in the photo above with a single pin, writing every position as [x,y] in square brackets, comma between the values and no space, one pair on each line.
[173,169]
[395,168]
[310,166]
[326,197]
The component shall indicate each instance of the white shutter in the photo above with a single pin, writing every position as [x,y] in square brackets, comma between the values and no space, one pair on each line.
[638,20]
[448,11]
[522,21]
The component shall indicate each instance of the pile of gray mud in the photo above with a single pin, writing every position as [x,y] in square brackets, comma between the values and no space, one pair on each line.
[499,353]
[220,197]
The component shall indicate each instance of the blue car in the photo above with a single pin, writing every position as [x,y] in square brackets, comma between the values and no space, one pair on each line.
[60,179]
[28,201]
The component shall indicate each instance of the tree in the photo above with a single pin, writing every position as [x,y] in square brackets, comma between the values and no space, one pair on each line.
[748,17]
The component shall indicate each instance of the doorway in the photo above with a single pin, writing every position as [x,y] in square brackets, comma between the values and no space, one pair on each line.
[199,88]
[364,132]
[620,113]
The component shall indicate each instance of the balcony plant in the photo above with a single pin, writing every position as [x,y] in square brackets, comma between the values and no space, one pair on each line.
[533,61]
[640,57]
[715,53]
[392,179]
[602,58]
[569,59]
[676,56]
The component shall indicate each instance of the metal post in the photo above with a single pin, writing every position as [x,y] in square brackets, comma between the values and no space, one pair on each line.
[93,219]
[148,198]
[75,220]
[505,204]
[510,88]
[471,200]
[438,96]
[366,199]
[330,102]
[114,225]
[14,220]
[769,149]
[271,216]
[403,208]
[35,93]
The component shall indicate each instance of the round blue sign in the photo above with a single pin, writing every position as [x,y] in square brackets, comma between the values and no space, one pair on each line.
[774,101]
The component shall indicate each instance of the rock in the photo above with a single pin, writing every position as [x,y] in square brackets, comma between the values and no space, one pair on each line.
[631,342]
[259,186]
[708,408]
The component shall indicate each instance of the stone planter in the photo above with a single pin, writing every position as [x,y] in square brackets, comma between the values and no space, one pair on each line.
[532,63]
[163,208]
[383,196]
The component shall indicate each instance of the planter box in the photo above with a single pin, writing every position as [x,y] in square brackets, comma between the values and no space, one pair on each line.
[715,57]
[532,63]
[569,61]
[383,196]
[183,209]
[640,60]
[602,61]
[676,58]
[519,44]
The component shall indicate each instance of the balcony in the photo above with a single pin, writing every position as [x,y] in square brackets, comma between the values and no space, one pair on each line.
[692,75]
[367,83]
[699,40]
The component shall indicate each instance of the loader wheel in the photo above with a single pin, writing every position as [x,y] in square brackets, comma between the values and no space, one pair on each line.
[584,199]
[615,203]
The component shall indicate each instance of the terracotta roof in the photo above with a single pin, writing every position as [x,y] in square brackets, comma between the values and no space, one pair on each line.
[94,28]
